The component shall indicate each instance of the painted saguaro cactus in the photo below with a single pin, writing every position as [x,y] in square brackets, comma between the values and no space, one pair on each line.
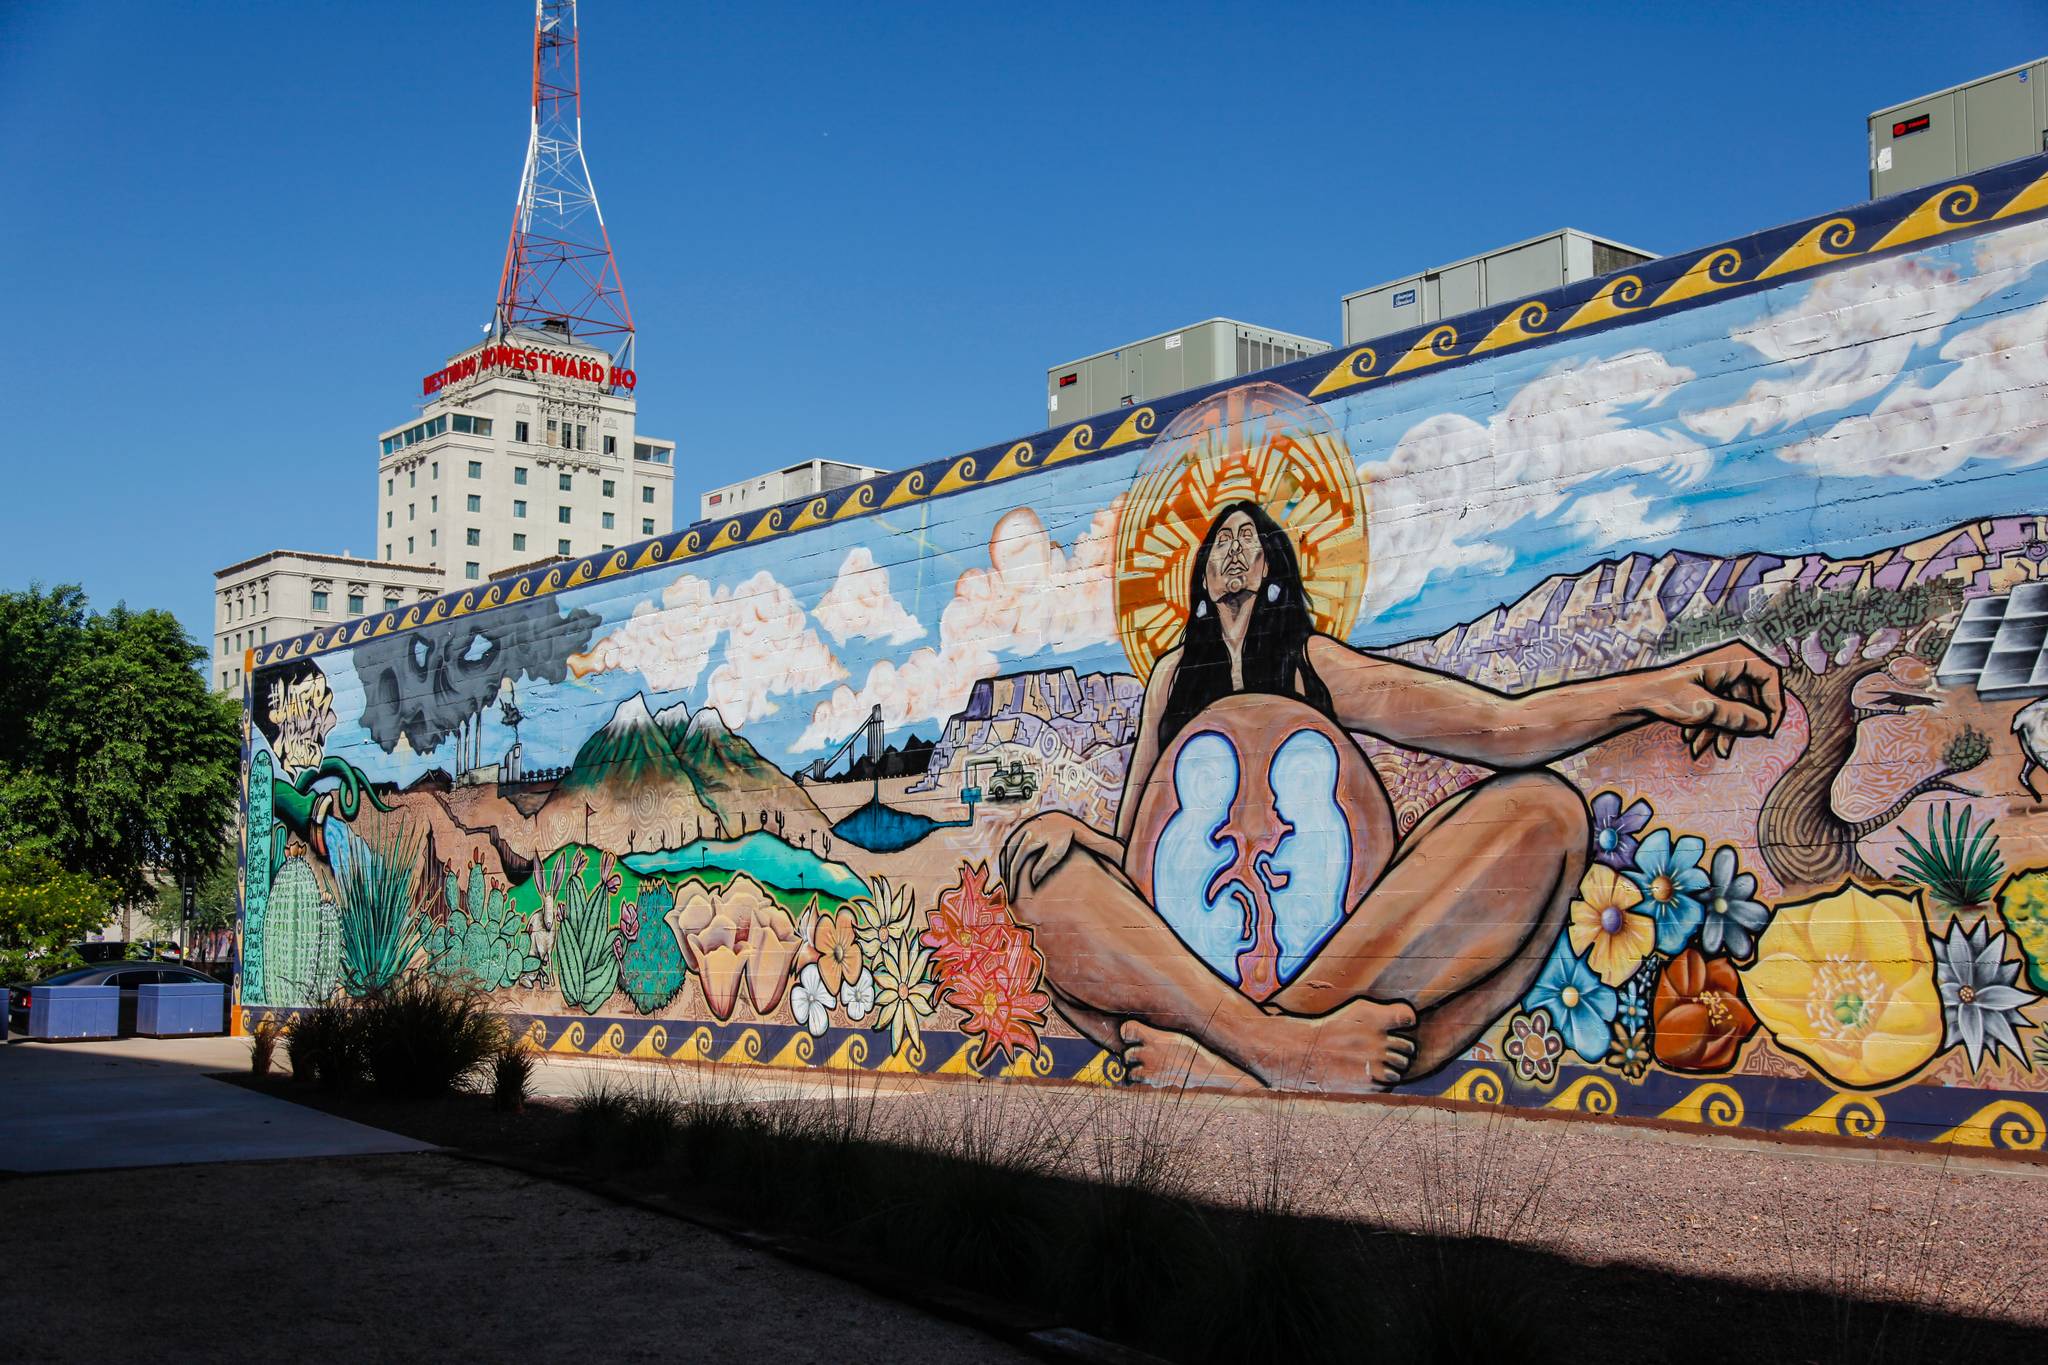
[302,938]
[256,878]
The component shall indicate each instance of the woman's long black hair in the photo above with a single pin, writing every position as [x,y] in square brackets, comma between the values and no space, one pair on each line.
[1275,657]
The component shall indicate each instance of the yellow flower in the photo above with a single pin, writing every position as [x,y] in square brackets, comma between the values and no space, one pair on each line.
[1613,940]
[1846,981]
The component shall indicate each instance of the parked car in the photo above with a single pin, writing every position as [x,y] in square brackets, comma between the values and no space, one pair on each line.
[127,975]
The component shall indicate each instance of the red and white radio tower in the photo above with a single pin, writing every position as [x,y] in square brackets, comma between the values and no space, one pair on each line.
[559,267]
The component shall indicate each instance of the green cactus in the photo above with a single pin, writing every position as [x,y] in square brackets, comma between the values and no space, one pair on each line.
[652,969]
[301,939]
[483,940]
[256,877]
[585,964]
[2023,904]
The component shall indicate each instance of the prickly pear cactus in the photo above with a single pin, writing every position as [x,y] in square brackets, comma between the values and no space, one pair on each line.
[483,940]
[2023,903]
[298,927]
[256,877]
[651,970]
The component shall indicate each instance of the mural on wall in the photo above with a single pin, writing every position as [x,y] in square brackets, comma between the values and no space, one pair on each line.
[1634,700]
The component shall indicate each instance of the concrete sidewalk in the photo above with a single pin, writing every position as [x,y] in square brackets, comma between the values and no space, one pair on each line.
[151,1102]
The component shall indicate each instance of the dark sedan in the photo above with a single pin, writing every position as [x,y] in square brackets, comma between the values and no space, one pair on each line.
[127,975]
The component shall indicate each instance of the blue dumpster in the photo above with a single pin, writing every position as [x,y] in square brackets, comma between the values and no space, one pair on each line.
[180,1009]
[74,1012]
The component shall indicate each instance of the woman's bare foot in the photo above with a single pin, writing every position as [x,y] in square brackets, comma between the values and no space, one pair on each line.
[1358,1049]
[1155,1057]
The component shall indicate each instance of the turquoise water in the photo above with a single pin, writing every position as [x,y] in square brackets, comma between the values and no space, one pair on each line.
[884,829]
[760,855]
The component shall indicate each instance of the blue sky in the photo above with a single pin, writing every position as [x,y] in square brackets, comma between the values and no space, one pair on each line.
[238,234]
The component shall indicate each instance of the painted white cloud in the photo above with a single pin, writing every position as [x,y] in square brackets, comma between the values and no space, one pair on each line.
[1614,515]
[1452,486]
[1034,596]
[1844,339]
[770,648]
[1988,407]
[861,606]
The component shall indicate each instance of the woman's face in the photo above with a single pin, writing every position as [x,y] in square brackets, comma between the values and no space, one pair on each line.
[1237,561]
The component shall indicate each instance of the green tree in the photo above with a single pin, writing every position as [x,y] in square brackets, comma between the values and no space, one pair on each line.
[44,911]
[213,904]
[114,758]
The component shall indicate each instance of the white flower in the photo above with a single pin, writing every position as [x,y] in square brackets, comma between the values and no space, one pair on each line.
[858,996]
[811,1001]
[1980,1005]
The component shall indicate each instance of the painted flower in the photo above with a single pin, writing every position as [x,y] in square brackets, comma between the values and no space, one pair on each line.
[1605,928]
[1633,1010]
[1628,1051]
[811,1001]
[1668,873]
[1979,1003]
[1700,1016]
[1004,1007]
[1616,831]
[883,915]
[629,921]
[1846,981]
[903,992]
[1576,999]
[858,997]
[1734,915]
[719,969]
[970,918]
[1533,1046]
[2023,904]
[770,947]
[838,945]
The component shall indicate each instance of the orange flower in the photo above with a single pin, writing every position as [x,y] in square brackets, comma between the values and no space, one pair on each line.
[719,970]
[1701,1018]
[771,947]
[838,950]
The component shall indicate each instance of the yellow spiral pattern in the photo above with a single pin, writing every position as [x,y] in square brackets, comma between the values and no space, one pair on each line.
[1480,1085]
[1713,1104]
[1588,1095]
[2005,1124]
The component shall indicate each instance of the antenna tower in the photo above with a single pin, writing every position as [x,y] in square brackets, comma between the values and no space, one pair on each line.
[559,266]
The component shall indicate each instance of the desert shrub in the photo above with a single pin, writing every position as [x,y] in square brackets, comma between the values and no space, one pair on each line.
[262,1047]
[512,1076]
[424,1037]
[324,1045]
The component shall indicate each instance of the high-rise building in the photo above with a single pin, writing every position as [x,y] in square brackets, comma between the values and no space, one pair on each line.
[526,448]
[287,592]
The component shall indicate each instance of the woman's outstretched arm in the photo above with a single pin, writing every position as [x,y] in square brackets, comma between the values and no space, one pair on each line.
[1715,698]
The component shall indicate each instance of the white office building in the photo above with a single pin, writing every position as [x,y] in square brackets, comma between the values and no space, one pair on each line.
[289,592]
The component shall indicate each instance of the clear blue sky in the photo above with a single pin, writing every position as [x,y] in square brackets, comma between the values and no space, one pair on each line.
[236,235]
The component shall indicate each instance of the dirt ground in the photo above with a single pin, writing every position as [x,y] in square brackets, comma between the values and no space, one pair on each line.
[420,1257]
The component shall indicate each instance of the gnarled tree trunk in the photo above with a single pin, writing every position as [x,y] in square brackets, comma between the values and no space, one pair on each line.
[1804,842]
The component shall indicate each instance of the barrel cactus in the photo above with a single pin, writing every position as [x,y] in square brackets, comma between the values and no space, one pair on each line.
[483,940]
[256,876]
[301,937]
[651,969]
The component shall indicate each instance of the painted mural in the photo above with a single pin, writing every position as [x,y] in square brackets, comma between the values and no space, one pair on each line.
[1634,700]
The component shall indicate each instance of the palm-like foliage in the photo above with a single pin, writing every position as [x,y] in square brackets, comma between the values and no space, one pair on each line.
[1958,867]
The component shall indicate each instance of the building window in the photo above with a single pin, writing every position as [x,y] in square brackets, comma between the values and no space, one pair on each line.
[412,478]
[561,547]
[472,426]
[387,488]
[319,600]
[606,546]
[579,435]
[434,536]
[263,635]
[355,604]
[566,434]
[476,469]
[519,540]
[387,518]
[611,445]
[519,470]
[437,469]
[647,492]
[519,432]
[611,489]
[473,536]
[408,544]
[476,502]
[434,502]
[410,509]
[647,526]
[551,431]
[564,482]
[390,600]
[609,521]
[562,515]
[519,507]
[387,549]
[472,570]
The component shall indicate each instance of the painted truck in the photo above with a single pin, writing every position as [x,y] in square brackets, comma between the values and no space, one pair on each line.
[1625,701]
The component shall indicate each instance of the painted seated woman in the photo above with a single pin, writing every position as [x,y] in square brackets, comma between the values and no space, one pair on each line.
[1255,920]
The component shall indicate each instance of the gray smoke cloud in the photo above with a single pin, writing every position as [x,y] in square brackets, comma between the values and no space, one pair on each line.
[425,684]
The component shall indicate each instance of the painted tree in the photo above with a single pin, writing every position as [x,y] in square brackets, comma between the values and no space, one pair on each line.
[1826,643]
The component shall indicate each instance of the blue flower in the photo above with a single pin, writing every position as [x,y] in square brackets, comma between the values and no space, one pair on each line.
[1574,996]
[1734,915]
[1633,1013]
[1672,883]
[1615,830]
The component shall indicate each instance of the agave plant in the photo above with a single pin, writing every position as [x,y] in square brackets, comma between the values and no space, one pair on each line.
[379,933]
[586,951]
[1956,866]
